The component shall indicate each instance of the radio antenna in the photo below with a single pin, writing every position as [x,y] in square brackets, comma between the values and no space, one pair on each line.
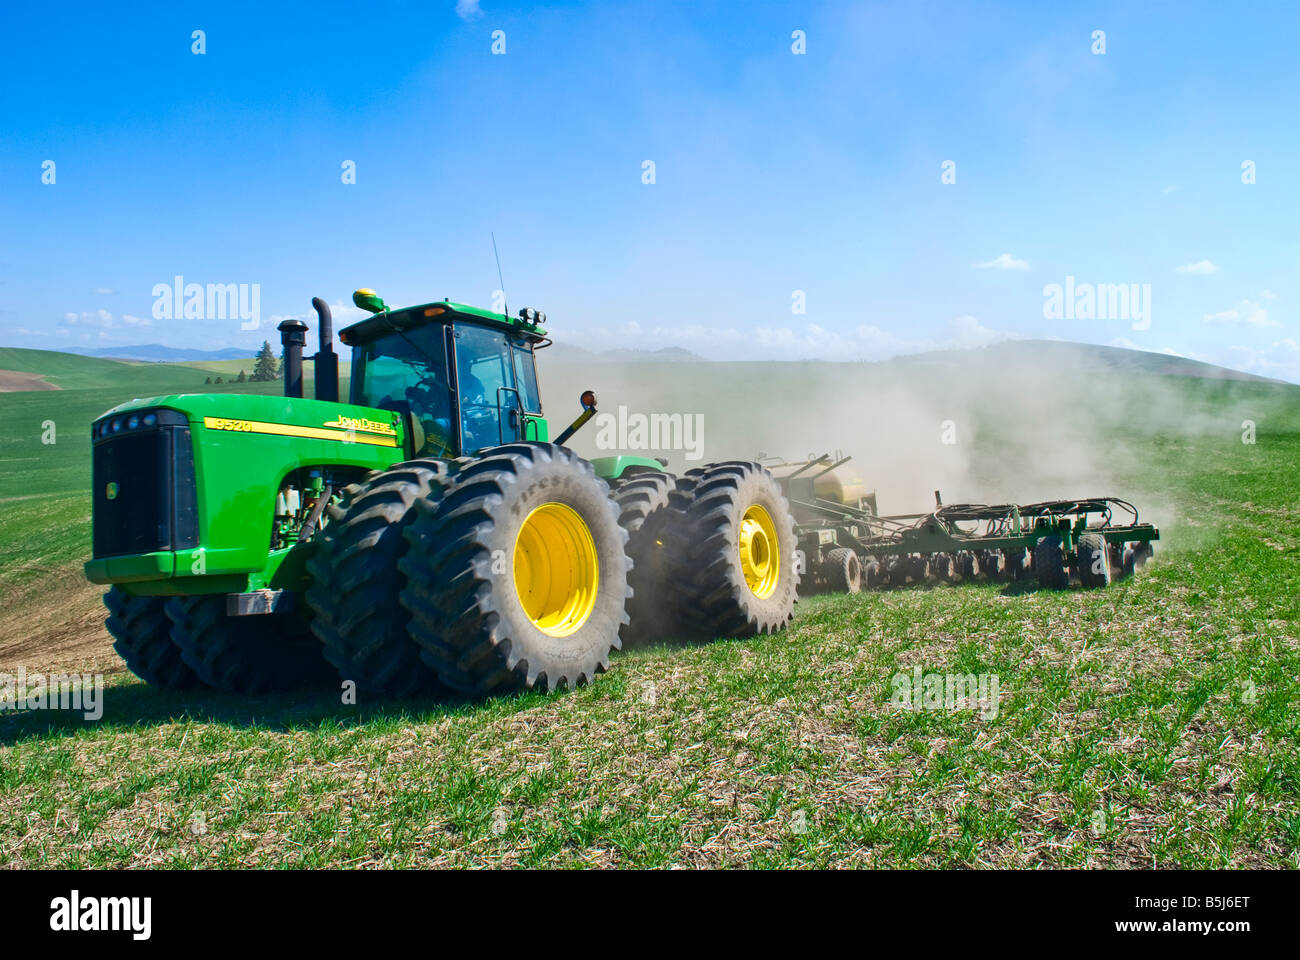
[499,280]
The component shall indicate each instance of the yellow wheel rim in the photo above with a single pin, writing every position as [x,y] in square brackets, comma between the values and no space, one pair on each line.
[760,554]
[556,570]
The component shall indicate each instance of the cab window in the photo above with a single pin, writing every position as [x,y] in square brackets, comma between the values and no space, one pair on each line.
[526,377]
[486,384]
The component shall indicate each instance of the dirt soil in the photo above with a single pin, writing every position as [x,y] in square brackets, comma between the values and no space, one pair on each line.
[56,626]
[12,381]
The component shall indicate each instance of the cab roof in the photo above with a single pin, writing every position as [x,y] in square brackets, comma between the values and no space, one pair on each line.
[442,311]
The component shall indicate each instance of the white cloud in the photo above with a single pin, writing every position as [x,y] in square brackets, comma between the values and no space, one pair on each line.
[99,318]
[468,9]
[131,321]
[1247,313]
[1169,189]
[1003,262]
[1185,354]
[1199,267]
[969,332]
[104,291]
[1280,360]
[1268,295]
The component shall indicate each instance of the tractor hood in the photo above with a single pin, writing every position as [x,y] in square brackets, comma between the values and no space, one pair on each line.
[185,485]
[217,413]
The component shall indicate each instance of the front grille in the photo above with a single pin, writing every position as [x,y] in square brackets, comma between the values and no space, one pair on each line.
[144,492]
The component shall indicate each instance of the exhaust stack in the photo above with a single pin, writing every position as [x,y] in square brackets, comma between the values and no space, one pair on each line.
[326,360]
[293,337]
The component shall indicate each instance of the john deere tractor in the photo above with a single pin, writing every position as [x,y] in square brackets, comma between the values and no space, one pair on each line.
[426,534]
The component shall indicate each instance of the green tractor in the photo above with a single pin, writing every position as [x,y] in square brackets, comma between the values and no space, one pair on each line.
[425,535]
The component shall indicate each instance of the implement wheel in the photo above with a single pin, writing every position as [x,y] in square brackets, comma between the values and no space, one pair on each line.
[356,583]
[1049,563]
[842,571]
[1013,563]
[518,577]
[736,545]
[141,632]
[1094,561]
[941,567]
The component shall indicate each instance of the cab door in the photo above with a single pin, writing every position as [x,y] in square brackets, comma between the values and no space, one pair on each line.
[490,413]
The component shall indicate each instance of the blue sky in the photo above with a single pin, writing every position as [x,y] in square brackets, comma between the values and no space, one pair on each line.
[775,172]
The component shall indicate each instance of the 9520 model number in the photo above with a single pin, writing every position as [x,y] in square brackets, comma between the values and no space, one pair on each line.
[220,423]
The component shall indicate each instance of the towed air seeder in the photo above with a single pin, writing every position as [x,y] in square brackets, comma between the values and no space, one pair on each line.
[848,545]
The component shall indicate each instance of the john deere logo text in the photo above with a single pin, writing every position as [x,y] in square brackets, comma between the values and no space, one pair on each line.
[368,426]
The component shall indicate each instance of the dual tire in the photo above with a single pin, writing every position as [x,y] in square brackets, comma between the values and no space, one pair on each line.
[732,550]
[184,642]
[518,577]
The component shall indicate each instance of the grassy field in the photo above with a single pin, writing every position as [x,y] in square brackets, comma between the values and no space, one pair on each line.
[1151,724]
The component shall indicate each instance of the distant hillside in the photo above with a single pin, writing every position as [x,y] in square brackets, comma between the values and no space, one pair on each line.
[69,371]
[562,352]
[1060,353]
[157,352]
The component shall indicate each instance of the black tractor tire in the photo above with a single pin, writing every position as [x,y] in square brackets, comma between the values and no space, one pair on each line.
[1049,563]
[467,576]
[248,655]
[842,571]
[141,632]
[1094,561]
[645,512]
[716,599]
[356,583]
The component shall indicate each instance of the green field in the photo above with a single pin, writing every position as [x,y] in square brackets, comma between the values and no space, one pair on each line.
[1151,724]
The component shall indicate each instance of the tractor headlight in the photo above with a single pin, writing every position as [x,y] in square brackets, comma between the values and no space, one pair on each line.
[117,424]
[150,419]
[132,422]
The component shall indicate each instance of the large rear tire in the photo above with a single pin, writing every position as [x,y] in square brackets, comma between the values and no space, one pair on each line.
[517,579]
[248,655]
[643,502]
[1049,564]
[356,583]
[737,552]
[141,632]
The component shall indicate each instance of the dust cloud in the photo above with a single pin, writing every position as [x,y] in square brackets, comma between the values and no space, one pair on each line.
[1028,422]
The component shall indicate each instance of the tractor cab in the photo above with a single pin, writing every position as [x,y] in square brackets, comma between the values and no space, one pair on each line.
[464,378]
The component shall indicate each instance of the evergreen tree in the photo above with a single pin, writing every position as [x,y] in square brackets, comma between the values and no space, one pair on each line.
[208,380]
[218,380]
[242,378]
[265,366]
